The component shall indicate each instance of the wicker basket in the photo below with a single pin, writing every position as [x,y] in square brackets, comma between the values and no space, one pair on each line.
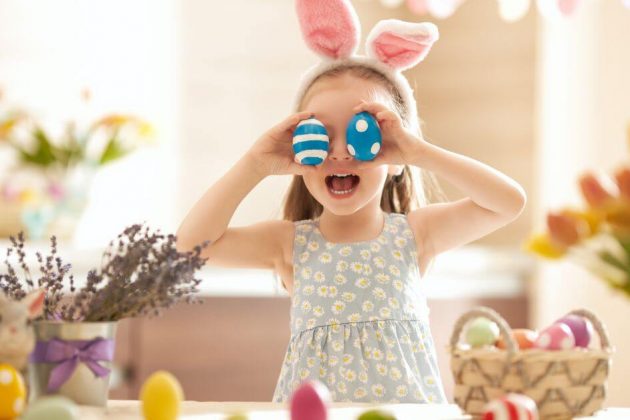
[564,383]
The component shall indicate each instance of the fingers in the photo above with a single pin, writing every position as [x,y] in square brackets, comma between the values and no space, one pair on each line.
[291,121]
[371,107]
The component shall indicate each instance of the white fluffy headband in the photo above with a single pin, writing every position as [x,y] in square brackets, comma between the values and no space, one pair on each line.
[331,29]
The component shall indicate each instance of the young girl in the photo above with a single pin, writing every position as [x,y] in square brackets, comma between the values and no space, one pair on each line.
[354,242]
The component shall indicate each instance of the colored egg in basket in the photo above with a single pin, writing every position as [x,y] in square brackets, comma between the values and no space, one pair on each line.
[511,407]
[310,142]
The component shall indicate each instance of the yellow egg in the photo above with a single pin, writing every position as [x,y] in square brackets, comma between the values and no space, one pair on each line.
[12,392]
[161,396]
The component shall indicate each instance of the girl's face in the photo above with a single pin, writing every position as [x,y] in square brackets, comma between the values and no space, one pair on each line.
[332,100]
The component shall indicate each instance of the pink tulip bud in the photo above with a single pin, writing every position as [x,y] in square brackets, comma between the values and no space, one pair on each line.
[565,230]
[594,192]
[622,176]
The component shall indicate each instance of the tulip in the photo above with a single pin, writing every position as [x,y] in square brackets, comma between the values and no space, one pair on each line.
[622,177]
[592,219]
[542,245]
[594,192]
[566,231]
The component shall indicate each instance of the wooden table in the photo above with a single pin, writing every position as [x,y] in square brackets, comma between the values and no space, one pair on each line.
[192,410]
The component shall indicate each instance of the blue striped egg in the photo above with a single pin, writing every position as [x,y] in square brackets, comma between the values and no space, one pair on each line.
[363,136]
[310,142]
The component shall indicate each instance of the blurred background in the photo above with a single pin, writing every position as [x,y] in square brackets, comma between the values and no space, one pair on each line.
[171,93]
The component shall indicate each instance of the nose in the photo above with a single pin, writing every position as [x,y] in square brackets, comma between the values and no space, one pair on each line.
[337,149]
[12,330]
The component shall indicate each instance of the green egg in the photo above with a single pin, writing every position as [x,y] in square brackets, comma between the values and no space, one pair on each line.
[376,415]
[52,408]
[482,332]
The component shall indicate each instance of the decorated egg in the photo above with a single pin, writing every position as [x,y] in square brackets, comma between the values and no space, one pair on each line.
[524,338]
[161,397]
[363,136]
[556,337]
[12,392]
[482,332]
[310,142]
[511,407]
[54,407]
[581,328]
[376,414]
[310,401]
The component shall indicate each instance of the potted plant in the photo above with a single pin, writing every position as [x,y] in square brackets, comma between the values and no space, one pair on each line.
[51,173]
[142,273]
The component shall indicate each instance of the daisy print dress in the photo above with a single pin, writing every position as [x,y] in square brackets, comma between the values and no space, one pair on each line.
[359,322]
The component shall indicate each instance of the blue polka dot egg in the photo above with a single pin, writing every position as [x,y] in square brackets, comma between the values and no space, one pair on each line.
[363,136]
[310,142]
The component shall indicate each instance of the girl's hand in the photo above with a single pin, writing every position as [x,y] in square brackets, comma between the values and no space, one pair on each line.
[399,147]
[272,153]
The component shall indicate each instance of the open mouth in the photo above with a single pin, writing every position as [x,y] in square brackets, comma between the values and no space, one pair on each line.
[342,184]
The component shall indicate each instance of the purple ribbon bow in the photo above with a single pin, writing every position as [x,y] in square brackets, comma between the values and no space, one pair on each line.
[68,353]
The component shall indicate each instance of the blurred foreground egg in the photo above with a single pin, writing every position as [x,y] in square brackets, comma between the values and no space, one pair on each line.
[511,407]
[310,401]
[376,414]
[161,397]
[12,392]
[54,407]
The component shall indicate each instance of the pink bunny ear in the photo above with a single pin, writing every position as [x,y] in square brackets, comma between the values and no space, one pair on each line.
[330,27]
[34,302]
[401,45]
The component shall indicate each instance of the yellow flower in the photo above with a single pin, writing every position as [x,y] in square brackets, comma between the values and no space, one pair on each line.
[542,245]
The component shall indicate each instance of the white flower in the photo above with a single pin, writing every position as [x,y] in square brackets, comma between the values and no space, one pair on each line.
[306,272]
[379,262]
[319,277]
[332,291]
[325,257]
[306,306]
[304,373]
[309,289]
[345,251]
[362,283]
[397,255]
[350,375]
[310,362]
[304,227]
[395,374]
[379,293]
[313,246]
[360,392]
[398,285]
[367,306]
[342,388]
[365,254]
[318,311]
[401,391]
[400,241]
[375,246]
[385,312]
[382,239]
[338,307]
[322,291]
[340,279]
[393,303]
[377,354]
[382,278]
[300,239]
[348,296]
[347,359]
[381,369]
[429,381]
[378,390]
[355,317]
[304,256]
[342,265]
[394,270]
[311,323]
[357,267]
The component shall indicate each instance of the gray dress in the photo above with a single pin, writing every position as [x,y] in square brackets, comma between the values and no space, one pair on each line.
[359,320]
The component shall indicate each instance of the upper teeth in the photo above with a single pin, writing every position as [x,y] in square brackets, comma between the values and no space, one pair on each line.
[342,175]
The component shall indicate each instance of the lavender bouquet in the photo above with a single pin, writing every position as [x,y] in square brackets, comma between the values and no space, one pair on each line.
[141,274]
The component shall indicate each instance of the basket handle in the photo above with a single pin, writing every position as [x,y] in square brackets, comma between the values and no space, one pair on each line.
[601,329]
[483,311]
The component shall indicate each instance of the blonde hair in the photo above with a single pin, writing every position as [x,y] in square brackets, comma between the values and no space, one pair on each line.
[400,194]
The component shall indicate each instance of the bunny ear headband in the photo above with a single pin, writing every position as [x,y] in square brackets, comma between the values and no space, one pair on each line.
[331,29]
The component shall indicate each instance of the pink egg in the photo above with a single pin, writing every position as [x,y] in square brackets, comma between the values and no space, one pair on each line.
[581,328]
[310,401]
[556,337]
[511,407]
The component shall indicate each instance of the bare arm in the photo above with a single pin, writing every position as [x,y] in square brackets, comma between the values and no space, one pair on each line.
[261,245]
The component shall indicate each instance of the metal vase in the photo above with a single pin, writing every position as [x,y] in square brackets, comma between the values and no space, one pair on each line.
[83,387]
